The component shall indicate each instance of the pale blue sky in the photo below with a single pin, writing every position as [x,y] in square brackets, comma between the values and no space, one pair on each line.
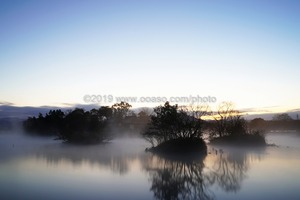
[55,52]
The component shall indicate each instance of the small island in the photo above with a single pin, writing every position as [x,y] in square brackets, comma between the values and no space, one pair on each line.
[230,128]
[175,130]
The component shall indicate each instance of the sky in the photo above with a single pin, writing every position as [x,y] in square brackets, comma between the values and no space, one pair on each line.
[54,52]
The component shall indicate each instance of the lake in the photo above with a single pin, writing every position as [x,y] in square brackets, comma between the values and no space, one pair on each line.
[43,168]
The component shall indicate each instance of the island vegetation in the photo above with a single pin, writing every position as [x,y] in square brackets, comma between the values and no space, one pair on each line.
[168,128]
[229,127]
[175,130]
[80,126]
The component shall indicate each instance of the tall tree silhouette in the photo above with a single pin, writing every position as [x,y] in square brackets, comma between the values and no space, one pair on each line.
[169,122]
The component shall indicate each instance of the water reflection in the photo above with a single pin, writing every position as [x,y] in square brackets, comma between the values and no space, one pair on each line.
[195,179]
[178,179]
[229,169]
[122,169]
[116,158]
[228,174]
[171,178]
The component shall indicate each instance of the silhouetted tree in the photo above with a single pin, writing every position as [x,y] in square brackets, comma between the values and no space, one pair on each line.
[54,119]
[169,122]
[50,124]
[83,127]
[282,117]
[228,121]
[120,110]
[75,126]
[229,127]
[105,112]
[283,122]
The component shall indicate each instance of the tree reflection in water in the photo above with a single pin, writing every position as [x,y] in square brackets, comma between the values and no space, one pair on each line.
[178,179]
[228,170]
[116,158]
[194,179]
[228,174]
[170,178]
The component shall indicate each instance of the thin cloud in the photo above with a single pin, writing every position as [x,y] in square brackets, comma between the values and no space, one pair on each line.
[267,109]
[6,103]
[294,110]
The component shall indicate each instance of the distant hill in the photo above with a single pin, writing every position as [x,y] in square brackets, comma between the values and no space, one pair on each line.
[13,116]
[15,112]
[269,116]
[9,111]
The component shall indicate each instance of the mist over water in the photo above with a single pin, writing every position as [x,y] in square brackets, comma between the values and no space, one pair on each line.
[44,168]
[289,139]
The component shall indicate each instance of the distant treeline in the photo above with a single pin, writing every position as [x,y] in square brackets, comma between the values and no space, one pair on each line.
[160,125]
[83,126]
[275,124]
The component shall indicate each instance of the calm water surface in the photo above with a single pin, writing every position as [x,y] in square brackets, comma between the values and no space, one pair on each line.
[42,168]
